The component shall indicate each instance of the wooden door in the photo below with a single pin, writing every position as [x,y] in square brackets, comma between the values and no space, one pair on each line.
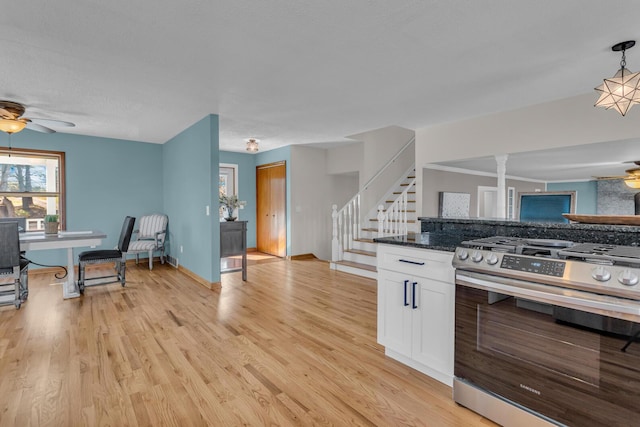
[271,198]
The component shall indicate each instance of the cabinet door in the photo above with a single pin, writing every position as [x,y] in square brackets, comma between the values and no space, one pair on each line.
[394,318]
[433,324]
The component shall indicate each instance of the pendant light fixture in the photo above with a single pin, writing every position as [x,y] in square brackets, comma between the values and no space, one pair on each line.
[621,91]
[252,145]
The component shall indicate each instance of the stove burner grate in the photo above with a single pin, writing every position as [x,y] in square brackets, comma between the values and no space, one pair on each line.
[595,251]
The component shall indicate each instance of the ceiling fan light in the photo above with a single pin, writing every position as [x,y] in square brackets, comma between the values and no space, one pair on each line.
[12,126]
[252,145]
[632,182]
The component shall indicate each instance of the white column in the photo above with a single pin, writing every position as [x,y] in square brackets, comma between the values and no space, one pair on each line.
[501,198]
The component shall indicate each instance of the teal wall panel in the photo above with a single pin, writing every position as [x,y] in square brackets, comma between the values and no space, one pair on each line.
[246,189]
[586,194]
[190,174]
[106,179]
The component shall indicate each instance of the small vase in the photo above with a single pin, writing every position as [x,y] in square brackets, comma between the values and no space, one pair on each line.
[231,218]
[51,228]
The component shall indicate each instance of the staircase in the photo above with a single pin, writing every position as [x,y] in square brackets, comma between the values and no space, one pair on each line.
[395,215]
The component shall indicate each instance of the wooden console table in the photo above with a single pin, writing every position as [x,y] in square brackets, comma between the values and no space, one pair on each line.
[233,241]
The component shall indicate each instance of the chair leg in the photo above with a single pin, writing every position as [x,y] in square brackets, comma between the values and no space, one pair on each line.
[81,277]
[17,301]
[162,256]
[24,286]
[122,267]
[137,258]
[151,259]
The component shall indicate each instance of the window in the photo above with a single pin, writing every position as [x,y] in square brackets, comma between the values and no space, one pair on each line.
[32,185]
[227,184]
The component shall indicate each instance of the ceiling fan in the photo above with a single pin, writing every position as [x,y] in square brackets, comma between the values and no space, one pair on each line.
[632,177]
[11,120]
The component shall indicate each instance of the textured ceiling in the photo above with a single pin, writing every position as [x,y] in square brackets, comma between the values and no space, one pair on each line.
[300,72]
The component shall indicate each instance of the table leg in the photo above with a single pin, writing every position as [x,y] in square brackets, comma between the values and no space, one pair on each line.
[244,265]
[70,287]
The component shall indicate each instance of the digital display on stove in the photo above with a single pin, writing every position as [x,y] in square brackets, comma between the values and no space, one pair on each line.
[539,266]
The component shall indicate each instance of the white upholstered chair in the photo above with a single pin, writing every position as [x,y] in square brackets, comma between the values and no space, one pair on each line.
[151,235]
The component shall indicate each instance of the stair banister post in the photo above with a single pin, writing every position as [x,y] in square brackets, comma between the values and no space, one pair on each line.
[381,220]
[335,245]
[358,213]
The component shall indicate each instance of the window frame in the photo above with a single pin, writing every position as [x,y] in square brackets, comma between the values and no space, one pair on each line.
[61,193]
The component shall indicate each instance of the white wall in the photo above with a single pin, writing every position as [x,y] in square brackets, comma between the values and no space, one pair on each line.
[346,159]
[379,146]
[311,199]
[435,181]
[567,122]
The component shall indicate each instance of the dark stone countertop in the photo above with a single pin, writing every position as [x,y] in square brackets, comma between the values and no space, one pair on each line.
[577,232]
[445,234]
[439,241]
[514,223]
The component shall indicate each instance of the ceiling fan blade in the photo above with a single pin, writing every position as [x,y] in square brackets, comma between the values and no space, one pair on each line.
[51,122]
[39,128]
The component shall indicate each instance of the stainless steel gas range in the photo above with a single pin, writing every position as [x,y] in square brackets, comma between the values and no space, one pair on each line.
[547,332]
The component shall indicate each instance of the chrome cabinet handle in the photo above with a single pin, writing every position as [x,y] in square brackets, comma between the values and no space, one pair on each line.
[406,303]
[411,262]
[413,296]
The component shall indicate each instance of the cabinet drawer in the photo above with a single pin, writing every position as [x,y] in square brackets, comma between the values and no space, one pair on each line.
[419,262]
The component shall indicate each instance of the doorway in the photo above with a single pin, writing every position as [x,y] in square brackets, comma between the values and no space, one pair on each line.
[487,201]
[271,219]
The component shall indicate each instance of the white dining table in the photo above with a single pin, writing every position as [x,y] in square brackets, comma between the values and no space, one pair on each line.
[34,241]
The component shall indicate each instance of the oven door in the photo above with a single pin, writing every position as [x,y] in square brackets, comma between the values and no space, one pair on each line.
[568,355]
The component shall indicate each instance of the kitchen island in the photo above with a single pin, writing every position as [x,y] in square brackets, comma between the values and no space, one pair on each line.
[416,286]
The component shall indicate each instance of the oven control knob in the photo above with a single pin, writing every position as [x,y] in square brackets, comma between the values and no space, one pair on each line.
[463,254]
[476,256]
[492,259]
[628,277]
[601,274]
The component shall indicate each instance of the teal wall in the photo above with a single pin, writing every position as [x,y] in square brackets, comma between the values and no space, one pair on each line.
[189,170]
[106,180]
[586,194]
[246,189]
[278,155]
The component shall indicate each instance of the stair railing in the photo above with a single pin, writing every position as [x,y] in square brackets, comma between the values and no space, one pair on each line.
[347,220]
[393,221]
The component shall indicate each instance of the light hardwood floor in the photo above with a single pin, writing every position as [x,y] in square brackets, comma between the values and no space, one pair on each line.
[294,345]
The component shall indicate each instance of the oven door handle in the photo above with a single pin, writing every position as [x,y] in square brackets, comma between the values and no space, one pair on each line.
[563,297]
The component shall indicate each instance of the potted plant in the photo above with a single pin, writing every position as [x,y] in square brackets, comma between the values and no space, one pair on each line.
[51,224]
[230,203]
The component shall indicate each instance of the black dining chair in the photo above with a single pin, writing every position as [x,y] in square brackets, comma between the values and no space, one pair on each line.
[118,256]
[13,268]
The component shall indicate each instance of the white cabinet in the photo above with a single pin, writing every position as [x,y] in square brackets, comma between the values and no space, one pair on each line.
[416,308]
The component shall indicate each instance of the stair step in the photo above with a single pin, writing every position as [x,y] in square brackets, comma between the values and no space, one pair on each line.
[391,201]
[409,211]
[357,265]
[400,192]
[409,221]
[361,252]
[364,239]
